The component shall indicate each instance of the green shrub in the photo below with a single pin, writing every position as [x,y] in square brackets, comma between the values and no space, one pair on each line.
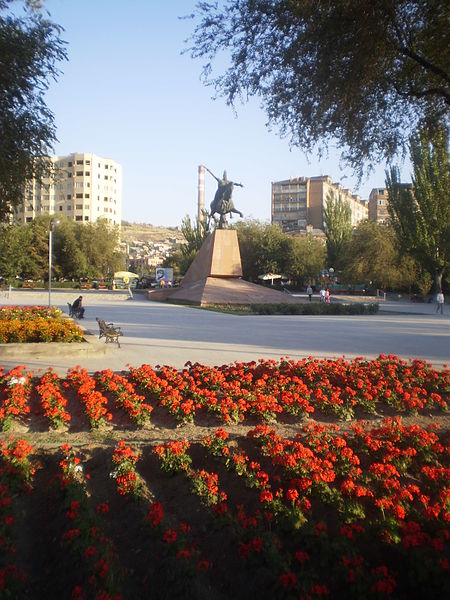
[314,308]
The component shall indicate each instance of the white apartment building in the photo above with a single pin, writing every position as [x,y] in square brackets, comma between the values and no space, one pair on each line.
[83,187]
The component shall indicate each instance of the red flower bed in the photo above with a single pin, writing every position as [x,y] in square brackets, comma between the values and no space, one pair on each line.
[94,402]
[16,386]
[52,401]
[228,492]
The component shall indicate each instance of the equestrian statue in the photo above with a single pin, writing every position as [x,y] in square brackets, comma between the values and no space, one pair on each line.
[223,203]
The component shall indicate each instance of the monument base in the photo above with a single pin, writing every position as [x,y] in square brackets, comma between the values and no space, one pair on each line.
[214,277]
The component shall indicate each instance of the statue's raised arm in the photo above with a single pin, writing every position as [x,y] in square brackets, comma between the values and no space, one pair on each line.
[211,173]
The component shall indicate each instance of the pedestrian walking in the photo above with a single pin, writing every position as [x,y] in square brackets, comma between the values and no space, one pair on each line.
[440,302]
[327,296]
[322,295]
[309,292]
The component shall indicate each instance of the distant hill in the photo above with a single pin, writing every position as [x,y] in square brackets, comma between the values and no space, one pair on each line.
[148,233]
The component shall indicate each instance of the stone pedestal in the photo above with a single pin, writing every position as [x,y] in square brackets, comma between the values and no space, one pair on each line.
[218,257]
[215,277]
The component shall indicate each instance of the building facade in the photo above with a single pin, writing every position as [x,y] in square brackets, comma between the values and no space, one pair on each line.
[298,203]
[83,187]
[378,205]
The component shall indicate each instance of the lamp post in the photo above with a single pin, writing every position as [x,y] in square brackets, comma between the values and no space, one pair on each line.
[53,224]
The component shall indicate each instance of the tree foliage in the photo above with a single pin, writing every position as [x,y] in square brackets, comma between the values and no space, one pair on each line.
[265,248]
[421,215]
[78,250]
[373,256]
[337,216]
[30,48]
[194,233]
[361,73]
[306,259]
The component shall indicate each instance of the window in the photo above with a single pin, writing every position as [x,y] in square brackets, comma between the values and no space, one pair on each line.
[79,173]
[69,174]
[79,207]
[79,162]
[86,195]
[106,166]
[78,184]
[87,173]
[69,196]
[105,199]
[78,218]
[60,208]
[86,206]
[69,207]
[86,218]
[29,219]
[88,162]
[69,164]
[105,210]
[79,195]
[106,176]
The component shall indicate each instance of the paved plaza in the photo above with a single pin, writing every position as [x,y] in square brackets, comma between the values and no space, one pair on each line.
[157,334]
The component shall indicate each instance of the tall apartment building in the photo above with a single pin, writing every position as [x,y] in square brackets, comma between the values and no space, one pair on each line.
[378,205]
[299,202]
[83,187]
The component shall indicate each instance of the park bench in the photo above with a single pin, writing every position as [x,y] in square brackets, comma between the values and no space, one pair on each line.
[108,331]
[28,285]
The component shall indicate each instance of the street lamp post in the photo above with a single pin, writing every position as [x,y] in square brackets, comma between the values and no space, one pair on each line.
[53,223]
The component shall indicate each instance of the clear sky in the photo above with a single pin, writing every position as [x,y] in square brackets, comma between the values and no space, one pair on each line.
[127,93]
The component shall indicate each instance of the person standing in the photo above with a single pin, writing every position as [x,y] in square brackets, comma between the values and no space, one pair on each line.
[440,302]
[309,292]
[322,294]
[327,296]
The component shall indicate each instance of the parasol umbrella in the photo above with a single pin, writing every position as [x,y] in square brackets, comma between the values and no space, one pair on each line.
[127,276]
[269,276]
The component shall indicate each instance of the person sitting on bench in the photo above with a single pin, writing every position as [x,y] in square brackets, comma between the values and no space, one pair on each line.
[77,308]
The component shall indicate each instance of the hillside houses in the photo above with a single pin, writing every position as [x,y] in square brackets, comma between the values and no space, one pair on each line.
[145,256]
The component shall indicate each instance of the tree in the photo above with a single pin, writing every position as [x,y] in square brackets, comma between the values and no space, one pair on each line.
[264,248]
[359,73]
[306,260]
[99,244]
[373,256]
[15,245]
[421,215]
[30,48]
[70,261]
[194,234]
[337,217]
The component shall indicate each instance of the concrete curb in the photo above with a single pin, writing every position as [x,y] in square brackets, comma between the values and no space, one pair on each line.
[90,346]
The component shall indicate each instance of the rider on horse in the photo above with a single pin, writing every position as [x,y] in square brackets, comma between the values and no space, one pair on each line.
[223,203]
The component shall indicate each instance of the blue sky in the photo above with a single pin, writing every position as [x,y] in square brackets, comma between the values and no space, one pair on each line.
[127,93]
